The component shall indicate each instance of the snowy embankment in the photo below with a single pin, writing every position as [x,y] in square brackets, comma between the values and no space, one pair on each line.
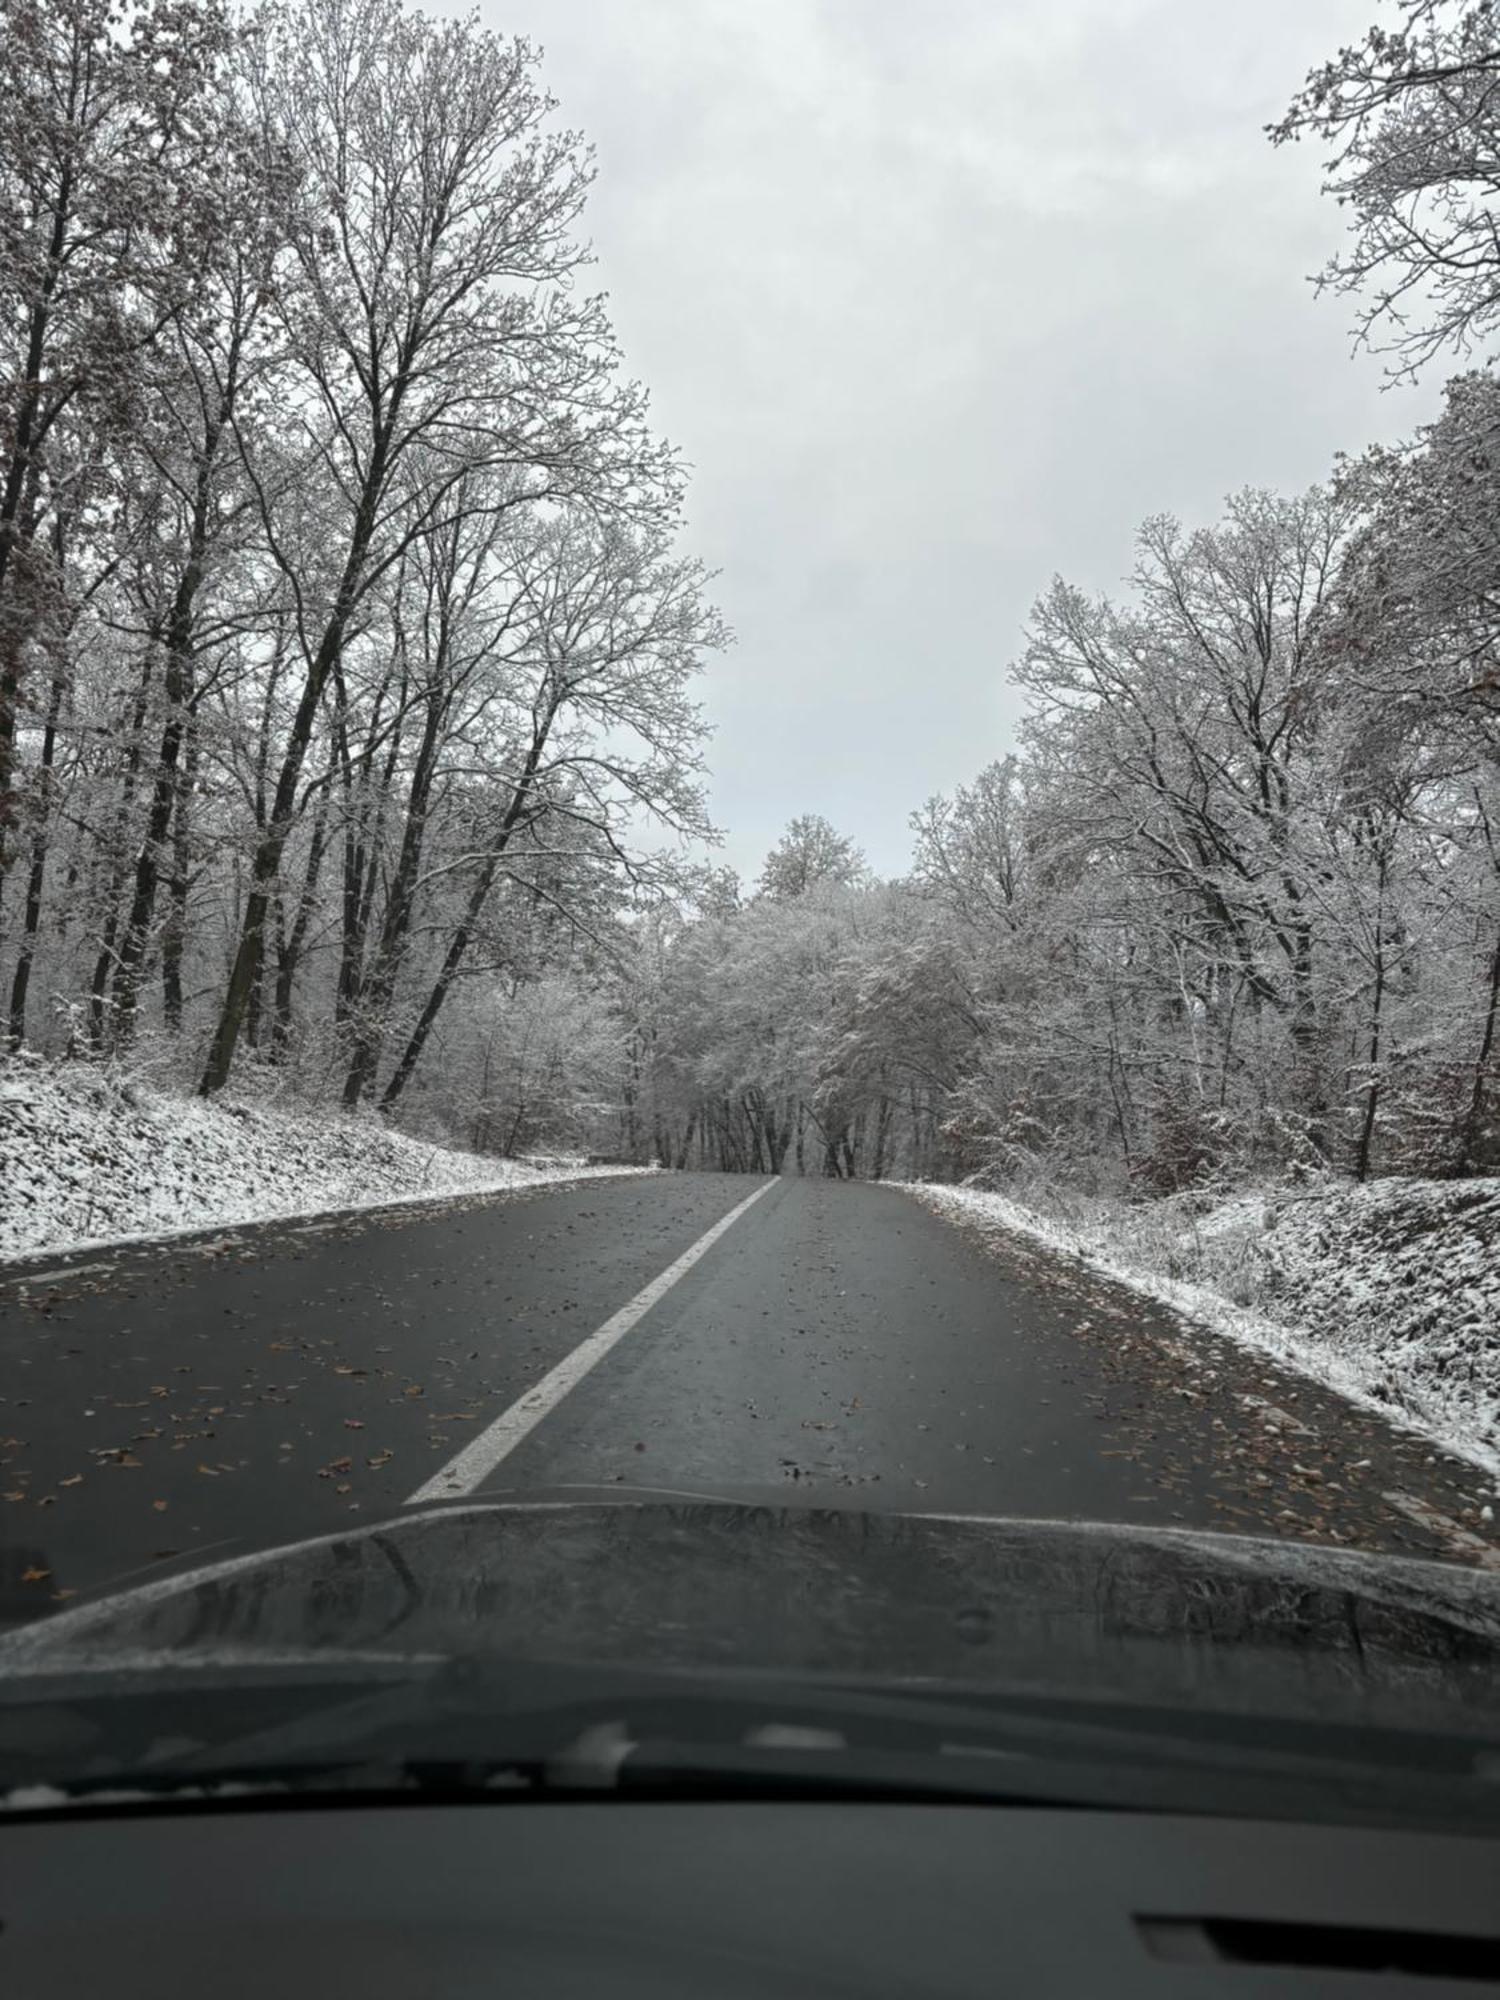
[1389,1293]
[88,1158]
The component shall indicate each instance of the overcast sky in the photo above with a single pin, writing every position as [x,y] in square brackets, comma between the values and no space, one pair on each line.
[940,299]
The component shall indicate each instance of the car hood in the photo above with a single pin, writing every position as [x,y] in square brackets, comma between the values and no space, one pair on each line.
[689,1583]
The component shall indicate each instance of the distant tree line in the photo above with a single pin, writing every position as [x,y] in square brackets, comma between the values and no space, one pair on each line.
[1233,908]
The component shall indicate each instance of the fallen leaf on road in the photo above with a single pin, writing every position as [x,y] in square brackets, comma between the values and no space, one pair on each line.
[341,1465]
[34,1575]
[344,1488]
[353,1424]
[415,1389]
[13,1496]
[61,1596]
[160,1506]
[380,1459]
[207,1470]
[76,1480]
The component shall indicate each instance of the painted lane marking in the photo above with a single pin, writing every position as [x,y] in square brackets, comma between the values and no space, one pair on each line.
[475,1463]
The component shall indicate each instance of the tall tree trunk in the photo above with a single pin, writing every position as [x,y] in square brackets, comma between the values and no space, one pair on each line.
[517,814]
[37,873]
[104,963]
[1372,1089]
[174,929]
[290,944]
[245,968]
[453,958]
[180,674]
[882,1139]
[1472,1131]
[18,513]
[369,1029]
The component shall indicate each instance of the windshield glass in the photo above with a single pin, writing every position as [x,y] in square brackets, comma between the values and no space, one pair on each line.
[837,1024]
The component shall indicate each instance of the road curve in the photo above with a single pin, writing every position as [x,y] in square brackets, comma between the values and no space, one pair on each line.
[836,1342]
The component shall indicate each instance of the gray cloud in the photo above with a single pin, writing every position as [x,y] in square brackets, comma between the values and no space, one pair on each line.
[939,300]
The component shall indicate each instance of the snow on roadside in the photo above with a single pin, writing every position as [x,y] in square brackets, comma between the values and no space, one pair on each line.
[88,1158]
[1388,1293]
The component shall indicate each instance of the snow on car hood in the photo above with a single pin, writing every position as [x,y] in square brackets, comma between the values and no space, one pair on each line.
[711,1584]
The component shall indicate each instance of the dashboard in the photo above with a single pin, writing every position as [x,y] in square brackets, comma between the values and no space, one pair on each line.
[743,1900]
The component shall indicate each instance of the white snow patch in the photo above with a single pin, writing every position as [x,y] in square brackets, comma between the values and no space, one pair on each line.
[1388,1293]
[88,1157]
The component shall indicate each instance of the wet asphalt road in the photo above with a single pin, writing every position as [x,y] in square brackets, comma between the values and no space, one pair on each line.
[839,1344]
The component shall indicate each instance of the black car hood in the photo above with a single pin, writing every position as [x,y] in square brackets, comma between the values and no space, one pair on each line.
[694,1584]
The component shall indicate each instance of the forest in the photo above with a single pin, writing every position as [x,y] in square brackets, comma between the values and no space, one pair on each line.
[350,666]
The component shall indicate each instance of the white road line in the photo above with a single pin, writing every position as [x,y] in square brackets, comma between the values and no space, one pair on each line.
[479,1458]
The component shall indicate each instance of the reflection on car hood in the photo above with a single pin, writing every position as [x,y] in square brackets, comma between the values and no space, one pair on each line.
[695,1584]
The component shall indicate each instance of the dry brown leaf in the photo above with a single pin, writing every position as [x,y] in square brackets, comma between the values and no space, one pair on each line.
[35,1575]
[76,1480]
[160,1506]
[207,1470]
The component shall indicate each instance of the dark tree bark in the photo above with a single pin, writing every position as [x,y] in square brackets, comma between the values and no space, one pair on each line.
[519,813]
[179,689]
[104,963]
[266,863]
[291,944]
[37,873]
[174,930]
[18,512]
[1472,1133]
[380,984]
